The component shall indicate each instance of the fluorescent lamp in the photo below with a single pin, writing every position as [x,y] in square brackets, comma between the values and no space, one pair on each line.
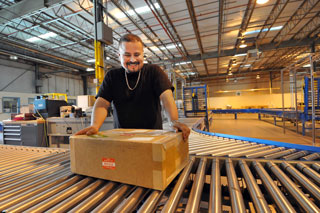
[258,76]
[182,63]
[44,36]
[262,1]
[139,10]
[171,46]
[307,65]
[241,54]
[13,57]
[108,58]
[90,69]
[91,60]
[247,65]
[263,30]
[230,73]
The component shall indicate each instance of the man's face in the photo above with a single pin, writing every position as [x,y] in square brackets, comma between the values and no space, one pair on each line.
[131,56]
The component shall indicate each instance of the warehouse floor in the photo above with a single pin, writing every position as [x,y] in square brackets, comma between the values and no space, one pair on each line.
[248,125]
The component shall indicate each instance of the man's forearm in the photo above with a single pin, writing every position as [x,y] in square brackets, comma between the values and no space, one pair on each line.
[99,113]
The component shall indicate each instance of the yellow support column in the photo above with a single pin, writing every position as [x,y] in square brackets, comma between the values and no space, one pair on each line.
[99,64]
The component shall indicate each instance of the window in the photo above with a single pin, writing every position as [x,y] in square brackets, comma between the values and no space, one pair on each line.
[30,100]
[10,105]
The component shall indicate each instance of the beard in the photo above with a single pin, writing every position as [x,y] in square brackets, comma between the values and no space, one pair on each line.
[134,68]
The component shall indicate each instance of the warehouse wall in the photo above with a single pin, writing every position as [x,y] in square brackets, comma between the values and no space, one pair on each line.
[252,101]
[19,77]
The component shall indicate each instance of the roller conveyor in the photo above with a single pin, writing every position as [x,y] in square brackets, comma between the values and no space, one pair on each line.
[223,174]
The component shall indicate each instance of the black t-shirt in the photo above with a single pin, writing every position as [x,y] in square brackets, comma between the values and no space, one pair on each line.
[139,108]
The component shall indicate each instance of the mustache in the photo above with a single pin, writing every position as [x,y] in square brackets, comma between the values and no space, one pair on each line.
[133,63]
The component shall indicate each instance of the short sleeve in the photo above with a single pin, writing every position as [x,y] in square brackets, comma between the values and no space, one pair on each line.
[105,90]
[161,81]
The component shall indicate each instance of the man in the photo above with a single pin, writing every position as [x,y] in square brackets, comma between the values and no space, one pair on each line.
[135,90]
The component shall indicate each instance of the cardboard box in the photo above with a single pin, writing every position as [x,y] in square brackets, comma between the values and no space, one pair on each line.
[147,158]
[85,101]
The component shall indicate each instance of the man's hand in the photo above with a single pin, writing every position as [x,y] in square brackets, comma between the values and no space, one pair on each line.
[183,128]
[91,130]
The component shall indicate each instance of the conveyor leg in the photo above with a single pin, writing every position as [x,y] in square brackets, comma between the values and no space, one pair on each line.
[275,120]
[303,129]
[259,116]
[235,116]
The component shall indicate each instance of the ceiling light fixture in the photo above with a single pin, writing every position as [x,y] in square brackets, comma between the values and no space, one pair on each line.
[243,44]
[234,61]
[258,76]
[241,54]
[140,10]
[230,73]
[91,60]
[262,1]
[44,36]
[90,69]
[13,57]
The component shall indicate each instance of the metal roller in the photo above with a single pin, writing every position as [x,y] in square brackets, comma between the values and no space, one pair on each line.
[110,203]
[310,172]
[295,155]
[313,156]
[264,153]
[150,204]
[303,180]
[260,203]
[73,200]
[49,202]
[128,204]
[32,201]
[175,196]
[94,199]
[279,154]
[249,151]
[278,197]
[316,166]
[196,191]
[295,192]
[215,188]
[234,188]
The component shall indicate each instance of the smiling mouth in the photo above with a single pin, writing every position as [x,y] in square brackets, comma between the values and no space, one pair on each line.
[133,63]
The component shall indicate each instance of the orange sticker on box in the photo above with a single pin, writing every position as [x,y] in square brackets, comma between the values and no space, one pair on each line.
[108,163]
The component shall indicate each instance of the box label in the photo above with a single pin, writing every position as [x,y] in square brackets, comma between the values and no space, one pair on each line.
[109,163]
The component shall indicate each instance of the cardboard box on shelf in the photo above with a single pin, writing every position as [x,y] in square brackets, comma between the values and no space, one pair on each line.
[147,158]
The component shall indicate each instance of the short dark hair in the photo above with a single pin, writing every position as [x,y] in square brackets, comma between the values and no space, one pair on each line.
[130,38]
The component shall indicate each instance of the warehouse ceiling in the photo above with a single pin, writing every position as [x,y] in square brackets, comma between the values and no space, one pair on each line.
[197,38]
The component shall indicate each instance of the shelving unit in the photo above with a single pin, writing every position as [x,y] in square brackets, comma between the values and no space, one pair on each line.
[195,101]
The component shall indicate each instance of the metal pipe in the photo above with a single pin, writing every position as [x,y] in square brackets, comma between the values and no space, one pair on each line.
[73,200]
[57,198]
[282,93]
[313,156]
[128,204]
[316,166]
[237,202]
[265,152]
[313,116]
[150,204]
[278,197]
[32,201]
[303,180]
[215,188]
[91,201]
[197,187]
[295,155]
[295,192]
[112,200]
[310,172]
[279,154]
[22,196]
[177,191]
[257,197]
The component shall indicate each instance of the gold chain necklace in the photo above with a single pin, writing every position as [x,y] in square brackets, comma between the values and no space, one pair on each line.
[125,72]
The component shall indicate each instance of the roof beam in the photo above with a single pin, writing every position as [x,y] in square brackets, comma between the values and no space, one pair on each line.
[24,7]
[232,52]
[196,30]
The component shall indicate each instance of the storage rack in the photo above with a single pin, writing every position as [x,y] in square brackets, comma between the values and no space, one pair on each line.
[195,101]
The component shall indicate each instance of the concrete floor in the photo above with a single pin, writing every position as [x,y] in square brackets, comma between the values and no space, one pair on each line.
[248,125]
